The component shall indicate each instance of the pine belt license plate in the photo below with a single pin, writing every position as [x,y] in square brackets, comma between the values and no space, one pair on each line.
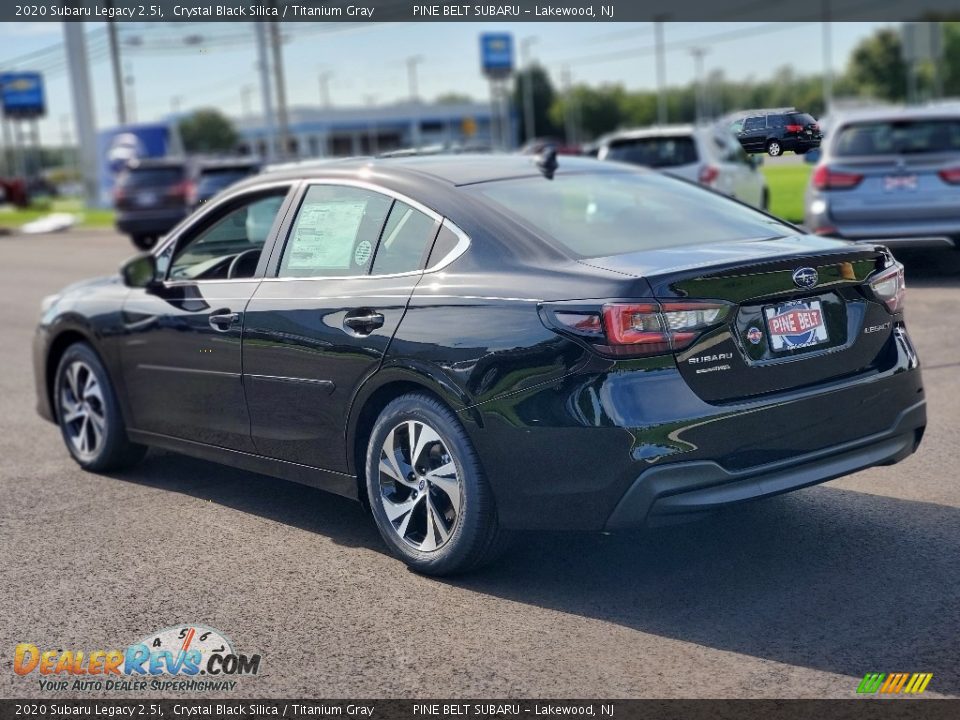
[795,325]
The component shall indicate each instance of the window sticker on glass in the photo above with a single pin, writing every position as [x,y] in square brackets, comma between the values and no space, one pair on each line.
[325,234]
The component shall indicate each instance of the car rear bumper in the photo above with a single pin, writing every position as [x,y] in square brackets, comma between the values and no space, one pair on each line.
[681,488]
[154,222]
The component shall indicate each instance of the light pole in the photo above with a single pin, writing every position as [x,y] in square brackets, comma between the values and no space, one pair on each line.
[827,58]
[661,72]
[115,65]
[698,53]
[529,117]
[412,63]
[325,88]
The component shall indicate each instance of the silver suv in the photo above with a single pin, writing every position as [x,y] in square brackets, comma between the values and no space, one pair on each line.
[891,176]
[710,156]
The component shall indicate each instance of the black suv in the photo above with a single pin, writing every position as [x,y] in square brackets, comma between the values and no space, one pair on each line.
[150,197]
[774,132]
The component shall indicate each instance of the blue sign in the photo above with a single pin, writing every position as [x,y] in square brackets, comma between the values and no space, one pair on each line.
[496,54]
[21,94]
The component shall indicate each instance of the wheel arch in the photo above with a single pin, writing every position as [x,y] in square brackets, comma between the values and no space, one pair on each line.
[59,343]
[381,389]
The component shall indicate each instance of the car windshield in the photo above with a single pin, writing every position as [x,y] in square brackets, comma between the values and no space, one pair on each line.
[655,152]
[888,137]
[152,177]
[594,215]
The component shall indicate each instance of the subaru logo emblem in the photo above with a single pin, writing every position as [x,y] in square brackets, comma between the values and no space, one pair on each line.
[805,277]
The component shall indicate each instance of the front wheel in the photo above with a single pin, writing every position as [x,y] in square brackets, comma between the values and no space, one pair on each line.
[89,415]
[774,149]
[143,242]
[429,498]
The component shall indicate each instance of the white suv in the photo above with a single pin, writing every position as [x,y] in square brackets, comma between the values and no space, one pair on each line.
[710,156]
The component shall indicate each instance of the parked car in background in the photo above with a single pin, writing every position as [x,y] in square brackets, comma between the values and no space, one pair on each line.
[706,155]
[538,145]
[478,344]
[775,132]
[891,176]
[151,196]
[212,176]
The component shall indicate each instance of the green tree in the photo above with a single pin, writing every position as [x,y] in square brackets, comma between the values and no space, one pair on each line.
[453,98]
[208,131]
[877,67]
[543,98]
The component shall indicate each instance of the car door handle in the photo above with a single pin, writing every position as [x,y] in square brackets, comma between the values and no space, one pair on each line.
[364,321]
[221,322]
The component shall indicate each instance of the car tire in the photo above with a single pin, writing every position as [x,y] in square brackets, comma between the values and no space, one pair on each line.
[774,148]
[88,413]
[436,511]
[144,242]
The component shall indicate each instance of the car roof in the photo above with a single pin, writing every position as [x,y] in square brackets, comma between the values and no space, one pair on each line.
[652,131]
[926,112]
[451,170]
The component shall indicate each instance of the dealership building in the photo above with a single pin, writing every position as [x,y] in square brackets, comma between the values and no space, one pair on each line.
[343,131]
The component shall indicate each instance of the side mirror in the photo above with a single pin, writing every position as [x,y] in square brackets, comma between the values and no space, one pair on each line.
[812,156]
[140,271]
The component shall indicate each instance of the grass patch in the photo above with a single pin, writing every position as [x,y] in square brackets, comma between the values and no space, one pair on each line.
[11,217]
[787,184]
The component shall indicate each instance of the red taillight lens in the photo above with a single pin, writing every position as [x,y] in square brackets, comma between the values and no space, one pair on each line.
[708,174]
[640,329]
[890,287]
[950,175]
[794,128]
[181,190]
[826,179]
[118,194]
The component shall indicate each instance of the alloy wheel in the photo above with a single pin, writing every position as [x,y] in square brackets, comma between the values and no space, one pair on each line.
[420,487]
[774,149]
[82,409]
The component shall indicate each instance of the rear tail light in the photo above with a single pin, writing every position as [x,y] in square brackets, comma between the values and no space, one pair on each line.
[826,179]
[118,194]
[640,329]
[794,128]
[181,190]
[708,174]
[950,175]
[890,287]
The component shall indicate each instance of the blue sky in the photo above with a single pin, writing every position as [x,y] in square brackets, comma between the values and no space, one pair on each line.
[367,61]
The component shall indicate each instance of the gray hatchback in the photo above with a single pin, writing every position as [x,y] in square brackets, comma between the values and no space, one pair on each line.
[891,176]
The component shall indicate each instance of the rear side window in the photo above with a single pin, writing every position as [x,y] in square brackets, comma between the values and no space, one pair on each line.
[406,239]
[776,121]
[596,215]
[152,177]
[801,119]
[335,232]
[895,137]
[654,152]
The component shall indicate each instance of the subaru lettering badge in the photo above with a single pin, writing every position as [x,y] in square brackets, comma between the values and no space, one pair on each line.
[805,277]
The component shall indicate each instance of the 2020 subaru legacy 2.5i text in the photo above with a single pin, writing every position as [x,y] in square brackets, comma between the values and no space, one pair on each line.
[473,345]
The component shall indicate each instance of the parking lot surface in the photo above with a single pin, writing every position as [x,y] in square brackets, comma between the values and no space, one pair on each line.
[797,596]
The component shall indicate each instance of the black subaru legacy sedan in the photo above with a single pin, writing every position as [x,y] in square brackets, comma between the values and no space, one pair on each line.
[475,345]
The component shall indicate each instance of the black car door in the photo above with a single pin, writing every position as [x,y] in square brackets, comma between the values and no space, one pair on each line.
[754,134]
[321,323]
[181,351]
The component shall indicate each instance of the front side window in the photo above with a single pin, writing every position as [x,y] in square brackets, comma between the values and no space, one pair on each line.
[754,123]
[228,246]
[335,232]
[595,215]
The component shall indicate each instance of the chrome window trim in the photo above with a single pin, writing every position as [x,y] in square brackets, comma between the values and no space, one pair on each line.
[463,240]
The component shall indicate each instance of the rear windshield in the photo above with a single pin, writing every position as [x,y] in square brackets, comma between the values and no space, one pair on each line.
[220,178]
[654,152]
[800,119]
[898,136]
[594,215]
[151,177]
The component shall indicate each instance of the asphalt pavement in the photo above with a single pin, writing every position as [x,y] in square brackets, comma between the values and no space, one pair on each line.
[797,596]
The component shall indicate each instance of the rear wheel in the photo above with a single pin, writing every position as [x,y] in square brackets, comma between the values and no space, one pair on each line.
[144,242]
[429,498]
[89,415]
[774,149]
